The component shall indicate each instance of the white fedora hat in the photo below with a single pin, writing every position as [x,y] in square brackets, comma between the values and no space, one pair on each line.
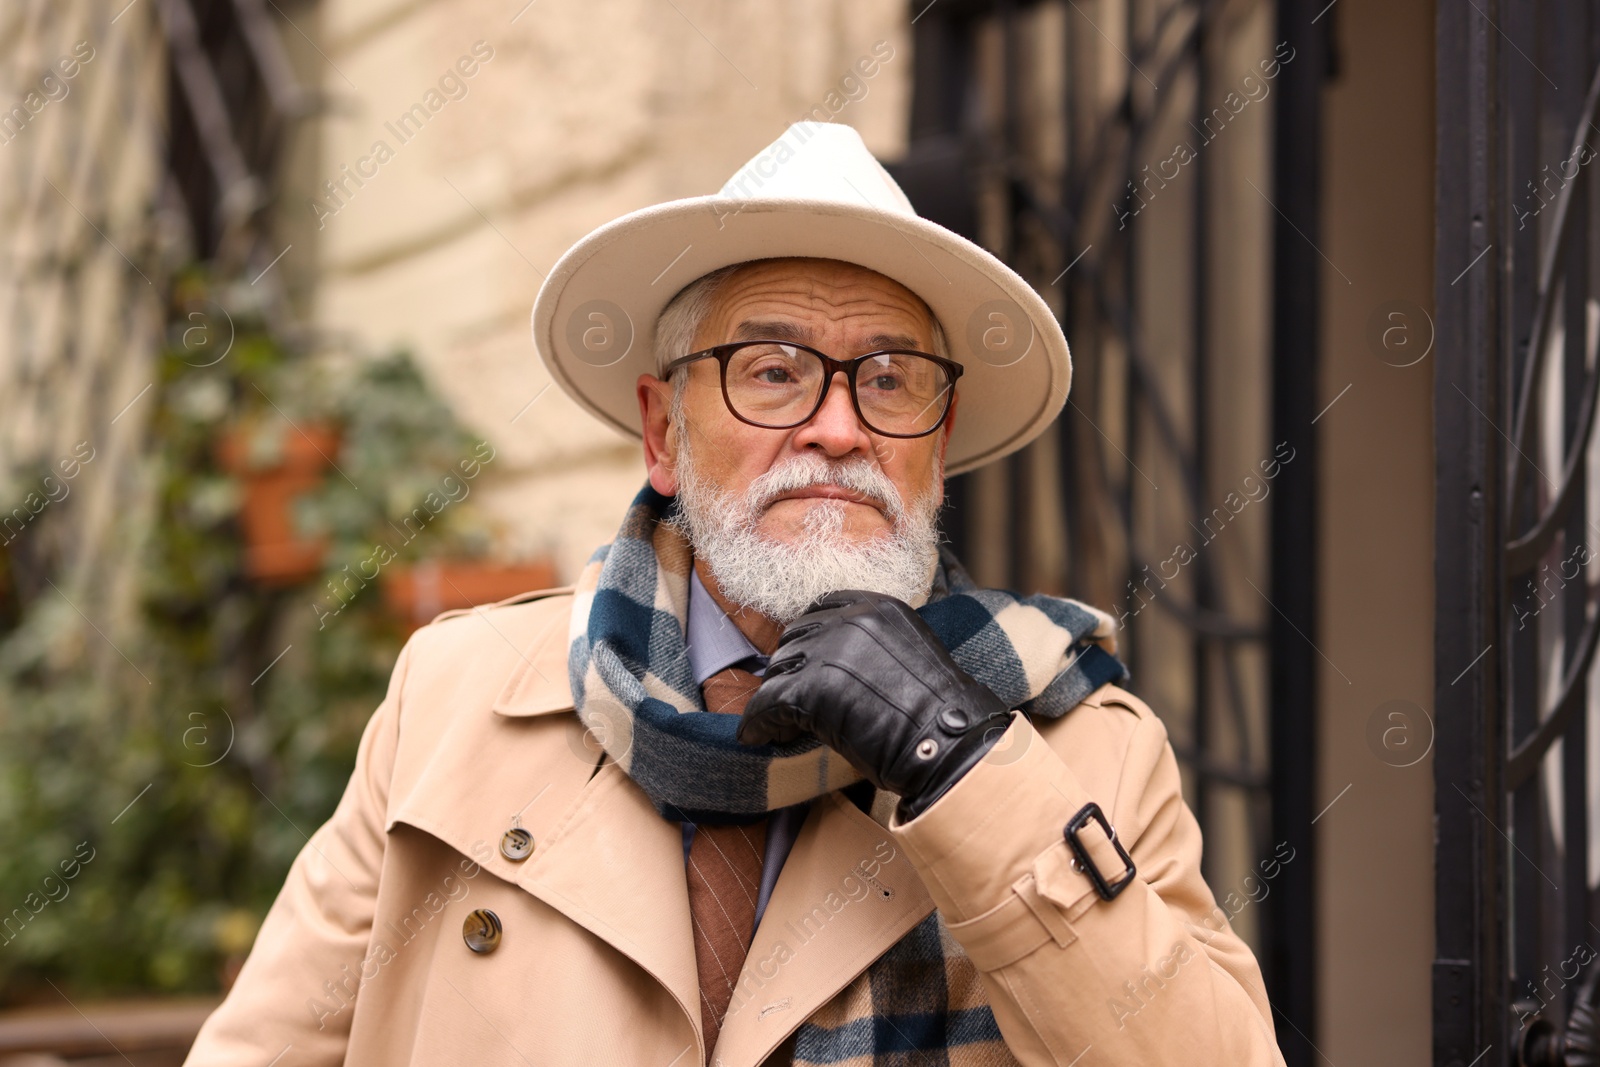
[814,192]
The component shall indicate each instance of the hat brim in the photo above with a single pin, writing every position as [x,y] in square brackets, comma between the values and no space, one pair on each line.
[594,319]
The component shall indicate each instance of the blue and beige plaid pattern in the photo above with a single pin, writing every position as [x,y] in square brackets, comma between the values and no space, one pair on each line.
[633,687]
[921,1004]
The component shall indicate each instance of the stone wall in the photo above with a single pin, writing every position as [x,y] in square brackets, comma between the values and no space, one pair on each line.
[81,104]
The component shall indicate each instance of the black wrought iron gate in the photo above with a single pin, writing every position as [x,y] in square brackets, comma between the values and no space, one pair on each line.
[1518,530]
[1134,159]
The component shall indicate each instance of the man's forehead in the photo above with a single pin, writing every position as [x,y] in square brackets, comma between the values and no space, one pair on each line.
[800,332]
[794,299]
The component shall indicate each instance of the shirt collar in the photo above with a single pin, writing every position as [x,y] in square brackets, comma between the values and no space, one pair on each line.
[714,642]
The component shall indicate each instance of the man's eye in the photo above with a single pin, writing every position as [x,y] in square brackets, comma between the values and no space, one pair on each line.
[775,375]
[884,382]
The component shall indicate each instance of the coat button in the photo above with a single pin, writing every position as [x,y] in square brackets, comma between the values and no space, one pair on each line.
[516,845]
[481,931]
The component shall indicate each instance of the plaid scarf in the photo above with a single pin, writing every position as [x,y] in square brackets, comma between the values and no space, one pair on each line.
[633,687]
[923,1000]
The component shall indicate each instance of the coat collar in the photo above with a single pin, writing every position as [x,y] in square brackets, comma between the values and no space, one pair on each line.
[538,684]
[607,861]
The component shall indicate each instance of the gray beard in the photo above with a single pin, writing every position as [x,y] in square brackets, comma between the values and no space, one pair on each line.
[781,579]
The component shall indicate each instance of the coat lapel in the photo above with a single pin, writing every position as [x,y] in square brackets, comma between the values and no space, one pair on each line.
[847,893]
[602,856]
[608,862]
[615,867]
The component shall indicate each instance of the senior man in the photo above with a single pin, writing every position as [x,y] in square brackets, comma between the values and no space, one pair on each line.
[775,783]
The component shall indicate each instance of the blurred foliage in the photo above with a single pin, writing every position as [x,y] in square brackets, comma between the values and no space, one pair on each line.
[177,778]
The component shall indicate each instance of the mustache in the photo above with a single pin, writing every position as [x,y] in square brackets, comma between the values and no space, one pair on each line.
[858,476]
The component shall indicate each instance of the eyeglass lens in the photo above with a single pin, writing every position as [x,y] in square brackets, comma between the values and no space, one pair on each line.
[777,385]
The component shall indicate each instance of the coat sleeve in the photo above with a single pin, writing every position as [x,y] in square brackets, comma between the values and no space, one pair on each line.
[297,988]
[1154,976]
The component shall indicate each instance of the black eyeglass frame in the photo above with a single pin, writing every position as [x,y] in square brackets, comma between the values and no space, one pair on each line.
[722,353]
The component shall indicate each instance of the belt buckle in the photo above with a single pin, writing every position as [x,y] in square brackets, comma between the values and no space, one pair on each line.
[1108,890]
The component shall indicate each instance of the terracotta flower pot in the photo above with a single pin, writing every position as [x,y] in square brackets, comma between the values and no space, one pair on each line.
[417,594]
[276,467]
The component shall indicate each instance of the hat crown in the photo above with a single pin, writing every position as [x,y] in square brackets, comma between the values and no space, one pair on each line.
[818,161]
[814,193]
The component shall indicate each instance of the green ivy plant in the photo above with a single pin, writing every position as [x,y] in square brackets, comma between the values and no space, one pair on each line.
[178,787]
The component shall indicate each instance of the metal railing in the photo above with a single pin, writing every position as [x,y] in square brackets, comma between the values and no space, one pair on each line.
[1515,397]
[1096,148]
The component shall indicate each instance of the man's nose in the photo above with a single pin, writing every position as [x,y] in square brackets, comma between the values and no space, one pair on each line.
[835,429]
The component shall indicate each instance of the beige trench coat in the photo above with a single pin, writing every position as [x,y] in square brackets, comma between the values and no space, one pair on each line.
[362,960]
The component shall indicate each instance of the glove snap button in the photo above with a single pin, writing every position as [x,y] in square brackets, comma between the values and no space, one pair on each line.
[954,719]
[927,749]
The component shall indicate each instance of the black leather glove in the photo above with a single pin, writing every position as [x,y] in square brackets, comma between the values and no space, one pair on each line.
[864,674]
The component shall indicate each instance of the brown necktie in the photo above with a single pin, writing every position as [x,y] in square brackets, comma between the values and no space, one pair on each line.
[724,875]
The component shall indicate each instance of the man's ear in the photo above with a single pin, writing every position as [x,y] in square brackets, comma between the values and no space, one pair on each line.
[660,442]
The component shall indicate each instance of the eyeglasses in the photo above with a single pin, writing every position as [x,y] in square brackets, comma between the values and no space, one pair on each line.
[778,385]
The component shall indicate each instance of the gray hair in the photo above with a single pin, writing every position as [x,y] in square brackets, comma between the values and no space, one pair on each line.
[685,313]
